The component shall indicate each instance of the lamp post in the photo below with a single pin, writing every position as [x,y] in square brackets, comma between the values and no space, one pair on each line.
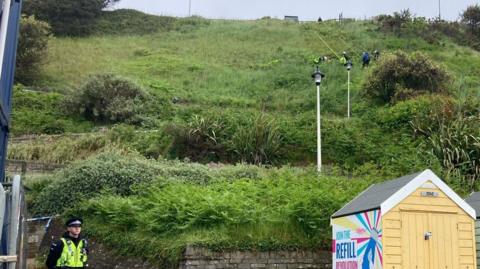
[349,68]
[189,8]
[439,10]
[318,76]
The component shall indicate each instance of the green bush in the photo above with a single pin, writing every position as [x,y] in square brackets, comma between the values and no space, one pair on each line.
[32,48]
[420,109]
[402,76]
[68,17]
[108,173]
[108,98]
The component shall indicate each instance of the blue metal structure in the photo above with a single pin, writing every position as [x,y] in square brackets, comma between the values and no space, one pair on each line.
[13,10]
[12,220]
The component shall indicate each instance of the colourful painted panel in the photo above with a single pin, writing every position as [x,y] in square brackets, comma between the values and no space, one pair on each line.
[357,241]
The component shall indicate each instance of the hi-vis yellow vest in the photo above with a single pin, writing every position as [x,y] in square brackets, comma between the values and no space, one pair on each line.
[72,256]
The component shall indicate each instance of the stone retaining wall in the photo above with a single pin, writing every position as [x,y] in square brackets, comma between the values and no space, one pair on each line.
[199,258]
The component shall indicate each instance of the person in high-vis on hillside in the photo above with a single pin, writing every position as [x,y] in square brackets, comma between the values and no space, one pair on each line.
[344,59]
[71,250]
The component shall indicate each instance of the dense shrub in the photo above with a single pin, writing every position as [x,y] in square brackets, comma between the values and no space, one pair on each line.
[108,98]
[32,48]
[402,76]
[107,173]
[420,109]
[67,17]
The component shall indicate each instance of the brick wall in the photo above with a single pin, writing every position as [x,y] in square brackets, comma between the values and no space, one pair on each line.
[199,258]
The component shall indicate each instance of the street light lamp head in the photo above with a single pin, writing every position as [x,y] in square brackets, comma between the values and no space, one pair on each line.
[349,65]
[318,76]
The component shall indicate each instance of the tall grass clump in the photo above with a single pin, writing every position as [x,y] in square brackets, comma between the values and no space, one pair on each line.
[257,142]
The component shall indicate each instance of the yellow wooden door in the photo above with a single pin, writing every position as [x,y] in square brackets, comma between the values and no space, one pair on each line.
[429,241]
[415,249]
[444,241]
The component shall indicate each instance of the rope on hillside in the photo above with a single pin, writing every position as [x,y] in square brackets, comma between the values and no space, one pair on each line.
[326,44]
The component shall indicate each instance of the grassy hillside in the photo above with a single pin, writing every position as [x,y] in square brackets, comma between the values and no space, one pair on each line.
[227,73]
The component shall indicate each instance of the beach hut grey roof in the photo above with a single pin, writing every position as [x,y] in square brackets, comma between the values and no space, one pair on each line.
[386,195]
[474,201]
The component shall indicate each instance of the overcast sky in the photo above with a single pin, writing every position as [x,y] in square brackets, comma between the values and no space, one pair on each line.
[305,9]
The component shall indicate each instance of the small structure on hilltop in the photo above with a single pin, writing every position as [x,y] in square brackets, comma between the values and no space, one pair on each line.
[291,18]
[415,221]
[474,201]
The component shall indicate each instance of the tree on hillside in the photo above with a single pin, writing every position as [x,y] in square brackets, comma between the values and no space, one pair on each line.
[68,17]
[471,17]
[32,48]
[396,22]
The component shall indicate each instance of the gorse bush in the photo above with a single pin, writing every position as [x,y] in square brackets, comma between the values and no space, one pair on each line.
[32,48]
[402,76]
[109,99]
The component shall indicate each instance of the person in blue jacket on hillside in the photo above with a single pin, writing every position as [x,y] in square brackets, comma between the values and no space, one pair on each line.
[365,59]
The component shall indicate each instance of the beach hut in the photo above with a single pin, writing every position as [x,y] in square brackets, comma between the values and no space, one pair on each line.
[474,201]
[413,222]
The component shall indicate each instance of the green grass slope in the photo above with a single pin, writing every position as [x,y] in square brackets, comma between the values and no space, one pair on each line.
[235,70]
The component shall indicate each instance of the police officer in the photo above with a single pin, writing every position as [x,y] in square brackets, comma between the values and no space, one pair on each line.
[71,250]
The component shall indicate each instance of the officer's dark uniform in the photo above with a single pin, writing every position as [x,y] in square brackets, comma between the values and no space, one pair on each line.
[68,252]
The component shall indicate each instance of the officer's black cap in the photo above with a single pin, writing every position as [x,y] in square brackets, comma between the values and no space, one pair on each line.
[74,222]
